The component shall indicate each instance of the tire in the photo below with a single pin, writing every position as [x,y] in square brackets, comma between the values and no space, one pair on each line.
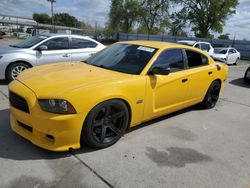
[246,77]
[15,69]
[236,62]
[212,95]
[105,124]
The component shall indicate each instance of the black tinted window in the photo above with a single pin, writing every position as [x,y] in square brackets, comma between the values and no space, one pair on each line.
[172,59]
[196,59]
[78,43]
[60,43]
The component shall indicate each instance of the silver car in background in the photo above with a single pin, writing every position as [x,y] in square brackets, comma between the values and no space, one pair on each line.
[43,49]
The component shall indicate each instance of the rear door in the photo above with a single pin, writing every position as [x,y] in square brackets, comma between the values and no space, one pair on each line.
[200,74]
[232,56]
[82,48]
[58,51]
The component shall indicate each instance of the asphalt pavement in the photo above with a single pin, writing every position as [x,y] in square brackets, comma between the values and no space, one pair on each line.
[192,148]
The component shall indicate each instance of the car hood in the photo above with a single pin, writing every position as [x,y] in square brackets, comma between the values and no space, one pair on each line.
[4,49]
[60,78]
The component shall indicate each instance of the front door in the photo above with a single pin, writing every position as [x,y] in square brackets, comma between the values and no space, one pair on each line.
[57,51]
[166,93]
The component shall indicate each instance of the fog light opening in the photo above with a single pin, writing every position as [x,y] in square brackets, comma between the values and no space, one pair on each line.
[50,137]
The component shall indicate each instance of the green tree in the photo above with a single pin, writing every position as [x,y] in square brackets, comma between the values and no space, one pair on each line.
[178,23]
[208,15]
[154,15]
[42,18]
[65,19]
[116,15]
[224,36]
[123,14]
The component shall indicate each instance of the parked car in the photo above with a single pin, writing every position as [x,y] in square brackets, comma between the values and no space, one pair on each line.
[230,55]
[58,106]
[204,46]
[2,34]
[247,75]
[43,49]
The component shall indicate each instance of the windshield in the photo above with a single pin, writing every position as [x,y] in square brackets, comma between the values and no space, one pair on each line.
[126,58]
[30,42]
[220,51]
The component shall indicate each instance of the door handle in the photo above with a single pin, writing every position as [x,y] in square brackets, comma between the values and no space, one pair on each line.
[209,73]
[66,55]
[184,80]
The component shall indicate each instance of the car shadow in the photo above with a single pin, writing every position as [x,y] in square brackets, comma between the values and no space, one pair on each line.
[239,82]
[15,147]
[4,82]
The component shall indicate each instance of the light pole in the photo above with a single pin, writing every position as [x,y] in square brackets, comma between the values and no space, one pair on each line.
[52,14]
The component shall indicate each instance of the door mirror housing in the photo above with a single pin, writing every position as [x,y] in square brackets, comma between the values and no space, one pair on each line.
[42,48]
[159,71]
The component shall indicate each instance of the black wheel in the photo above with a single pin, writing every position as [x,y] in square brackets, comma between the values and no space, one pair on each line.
[105,124]
[15,69]
[236,62]
[247,75]
[212,95]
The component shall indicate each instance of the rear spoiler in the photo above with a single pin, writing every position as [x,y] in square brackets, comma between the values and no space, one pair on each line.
[219,60]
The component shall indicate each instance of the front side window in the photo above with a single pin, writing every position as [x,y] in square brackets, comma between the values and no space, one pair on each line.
[78,43]
[172,59]
[60,43]
[126,58]
[196,59]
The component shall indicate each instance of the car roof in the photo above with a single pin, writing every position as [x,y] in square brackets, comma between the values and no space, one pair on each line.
[63,35]
[156,44]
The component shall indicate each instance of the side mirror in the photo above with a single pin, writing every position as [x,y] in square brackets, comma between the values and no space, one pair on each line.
[42,48]
[159,71]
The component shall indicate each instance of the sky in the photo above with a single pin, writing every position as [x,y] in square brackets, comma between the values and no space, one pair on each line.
[96,11]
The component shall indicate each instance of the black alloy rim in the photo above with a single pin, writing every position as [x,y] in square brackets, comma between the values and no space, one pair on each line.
[214,95]
[108,123]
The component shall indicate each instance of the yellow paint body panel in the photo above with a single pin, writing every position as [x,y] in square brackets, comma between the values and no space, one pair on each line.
[85,86]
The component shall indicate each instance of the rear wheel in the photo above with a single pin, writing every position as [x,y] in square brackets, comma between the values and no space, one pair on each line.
[105,124]
[236,62]
[15,69]
[212,95]
[247,75]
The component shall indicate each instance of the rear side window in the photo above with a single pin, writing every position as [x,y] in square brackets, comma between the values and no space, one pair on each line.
[60,43]
[78,43]
[196,59]
[205,47]
[172,59]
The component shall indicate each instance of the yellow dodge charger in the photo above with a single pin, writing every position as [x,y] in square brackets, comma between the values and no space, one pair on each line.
[59,106]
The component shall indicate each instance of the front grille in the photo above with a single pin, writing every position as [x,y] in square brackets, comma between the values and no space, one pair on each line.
[18,102]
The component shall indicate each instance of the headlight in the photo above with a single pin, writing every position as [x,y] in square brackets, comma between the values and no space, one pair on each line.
[58,106]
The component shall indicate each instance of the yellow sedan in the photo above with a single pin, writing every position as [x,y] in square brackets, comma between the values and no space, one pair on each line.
[59,106]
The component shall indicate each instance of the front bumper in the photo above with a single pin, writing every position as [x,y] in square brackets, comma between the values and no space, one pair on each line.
[53,132]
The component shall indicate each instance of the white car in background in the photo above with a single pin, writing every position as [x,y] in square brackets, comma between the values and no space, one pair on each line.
[44,49]
[230,55]
[204,46]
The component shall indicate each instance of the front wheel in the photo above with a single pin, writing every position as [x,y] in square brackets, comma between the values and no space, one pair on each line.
[247,75]
[105,124]
[15,69]
[212,95]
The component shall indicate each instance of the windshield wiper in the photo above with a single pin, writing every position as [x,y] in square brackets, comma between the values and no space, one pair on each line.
[14,46]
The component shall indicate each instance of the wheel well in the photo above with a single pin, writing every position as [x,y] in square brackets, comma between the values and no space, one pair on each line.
[218,80]
[129,111]
[14,63]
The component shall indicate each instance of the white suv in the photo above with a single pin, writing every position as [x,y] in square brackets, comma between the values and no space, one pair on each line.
[204,46]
